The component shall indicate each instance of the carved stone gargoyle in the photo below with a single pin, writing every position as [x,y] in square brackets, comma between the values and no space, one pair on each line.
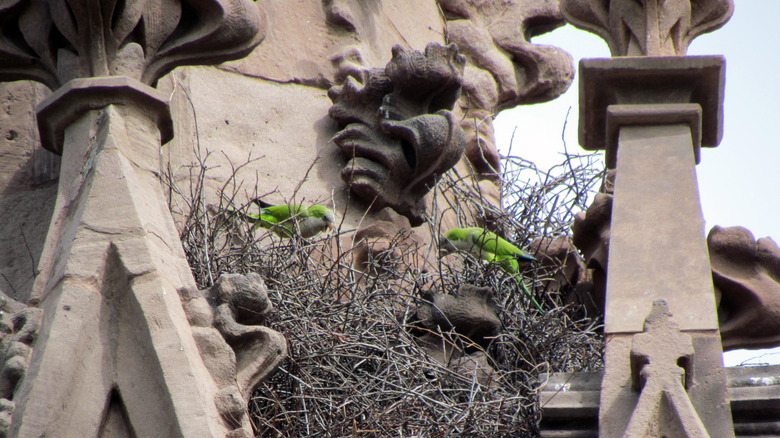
[396,129]
[470,313]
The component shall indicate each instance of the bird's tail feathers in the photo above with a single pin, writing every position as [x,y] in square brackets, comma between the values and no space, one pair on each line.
[528,293]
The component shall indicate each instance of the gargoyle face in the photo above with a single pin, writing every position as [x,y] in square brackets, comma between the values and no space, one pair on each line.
[395,135]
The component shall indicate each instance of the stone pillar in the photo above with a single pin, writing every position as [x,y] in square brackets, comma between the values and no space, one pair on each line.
[115,354]
[664,374]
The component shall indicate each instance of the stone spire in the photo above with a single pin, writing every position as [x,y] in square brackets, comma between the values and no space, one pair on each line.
[652,110]
[115,354]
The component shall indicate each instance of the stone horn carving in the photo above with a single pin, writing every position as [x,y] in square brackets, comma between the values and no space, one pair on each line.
[115,355]
[746,272]
[648,27]
[396,130]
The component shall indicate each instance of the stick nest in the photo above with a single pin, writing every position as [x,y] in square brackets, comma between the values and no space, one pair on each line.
[356,366]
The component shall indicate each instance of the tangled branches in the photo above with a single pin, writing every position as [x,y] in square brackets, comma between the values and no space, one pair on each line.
[356,366]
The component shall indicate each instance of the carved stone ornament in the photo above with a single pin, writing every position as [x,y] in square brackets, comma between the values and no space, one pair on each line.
[18,332]
[591,232]
[471,313]
[746,273]
[246,352]
[661,366]
[396,128]
[386,244]
[648,27]
[54,41]
[505,68]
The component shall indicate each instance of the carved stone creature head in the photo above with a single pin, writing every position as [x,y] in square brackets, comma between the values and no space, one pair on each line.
[397,132]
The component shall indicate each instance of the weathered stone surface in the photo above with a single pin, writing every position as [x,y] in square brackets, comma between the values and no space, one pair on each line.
[110,276]
[650,27]
[471,312]
[746,272]
[638,81]
[662,360]
[276,149]
[311,42]
[570,402]
[563,271]
[591,233]
[387,243]
[240,305]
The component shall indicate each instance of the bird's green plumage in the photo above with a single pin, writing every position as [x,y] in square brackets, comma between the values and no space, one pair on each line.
[287,220]
[490,247]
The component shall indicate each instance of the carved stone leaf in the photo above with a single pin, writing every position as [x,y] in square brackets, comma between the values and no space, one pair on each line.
[60,40]
[648,27]
[495,36]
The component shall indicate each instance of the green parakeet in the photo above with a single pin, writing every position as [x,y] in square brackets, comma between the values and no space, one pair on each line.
[490,247]
[286,220]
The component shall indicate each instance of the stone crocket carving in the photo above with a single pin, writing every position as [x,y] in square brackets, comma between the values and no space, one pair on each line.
[648,27]
[397,131]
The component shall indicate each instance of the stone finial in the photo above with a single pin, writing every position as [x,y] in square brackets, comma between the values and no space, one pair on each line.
[648,27]
[396,128]
[55,41]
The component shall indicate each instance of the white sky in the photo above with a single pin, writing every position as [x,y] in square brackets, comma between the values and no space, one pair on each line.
[739,181]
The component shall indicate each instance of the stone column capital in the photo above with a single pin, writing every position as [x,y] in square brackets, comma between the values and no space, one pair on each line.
[72,100]
[669,80]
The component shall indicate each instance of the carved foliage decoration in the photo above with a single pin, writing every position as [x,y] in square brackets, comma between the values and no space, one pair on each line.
[54,41]
[505,68]
[648,27]
[396,128]
[495,36]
